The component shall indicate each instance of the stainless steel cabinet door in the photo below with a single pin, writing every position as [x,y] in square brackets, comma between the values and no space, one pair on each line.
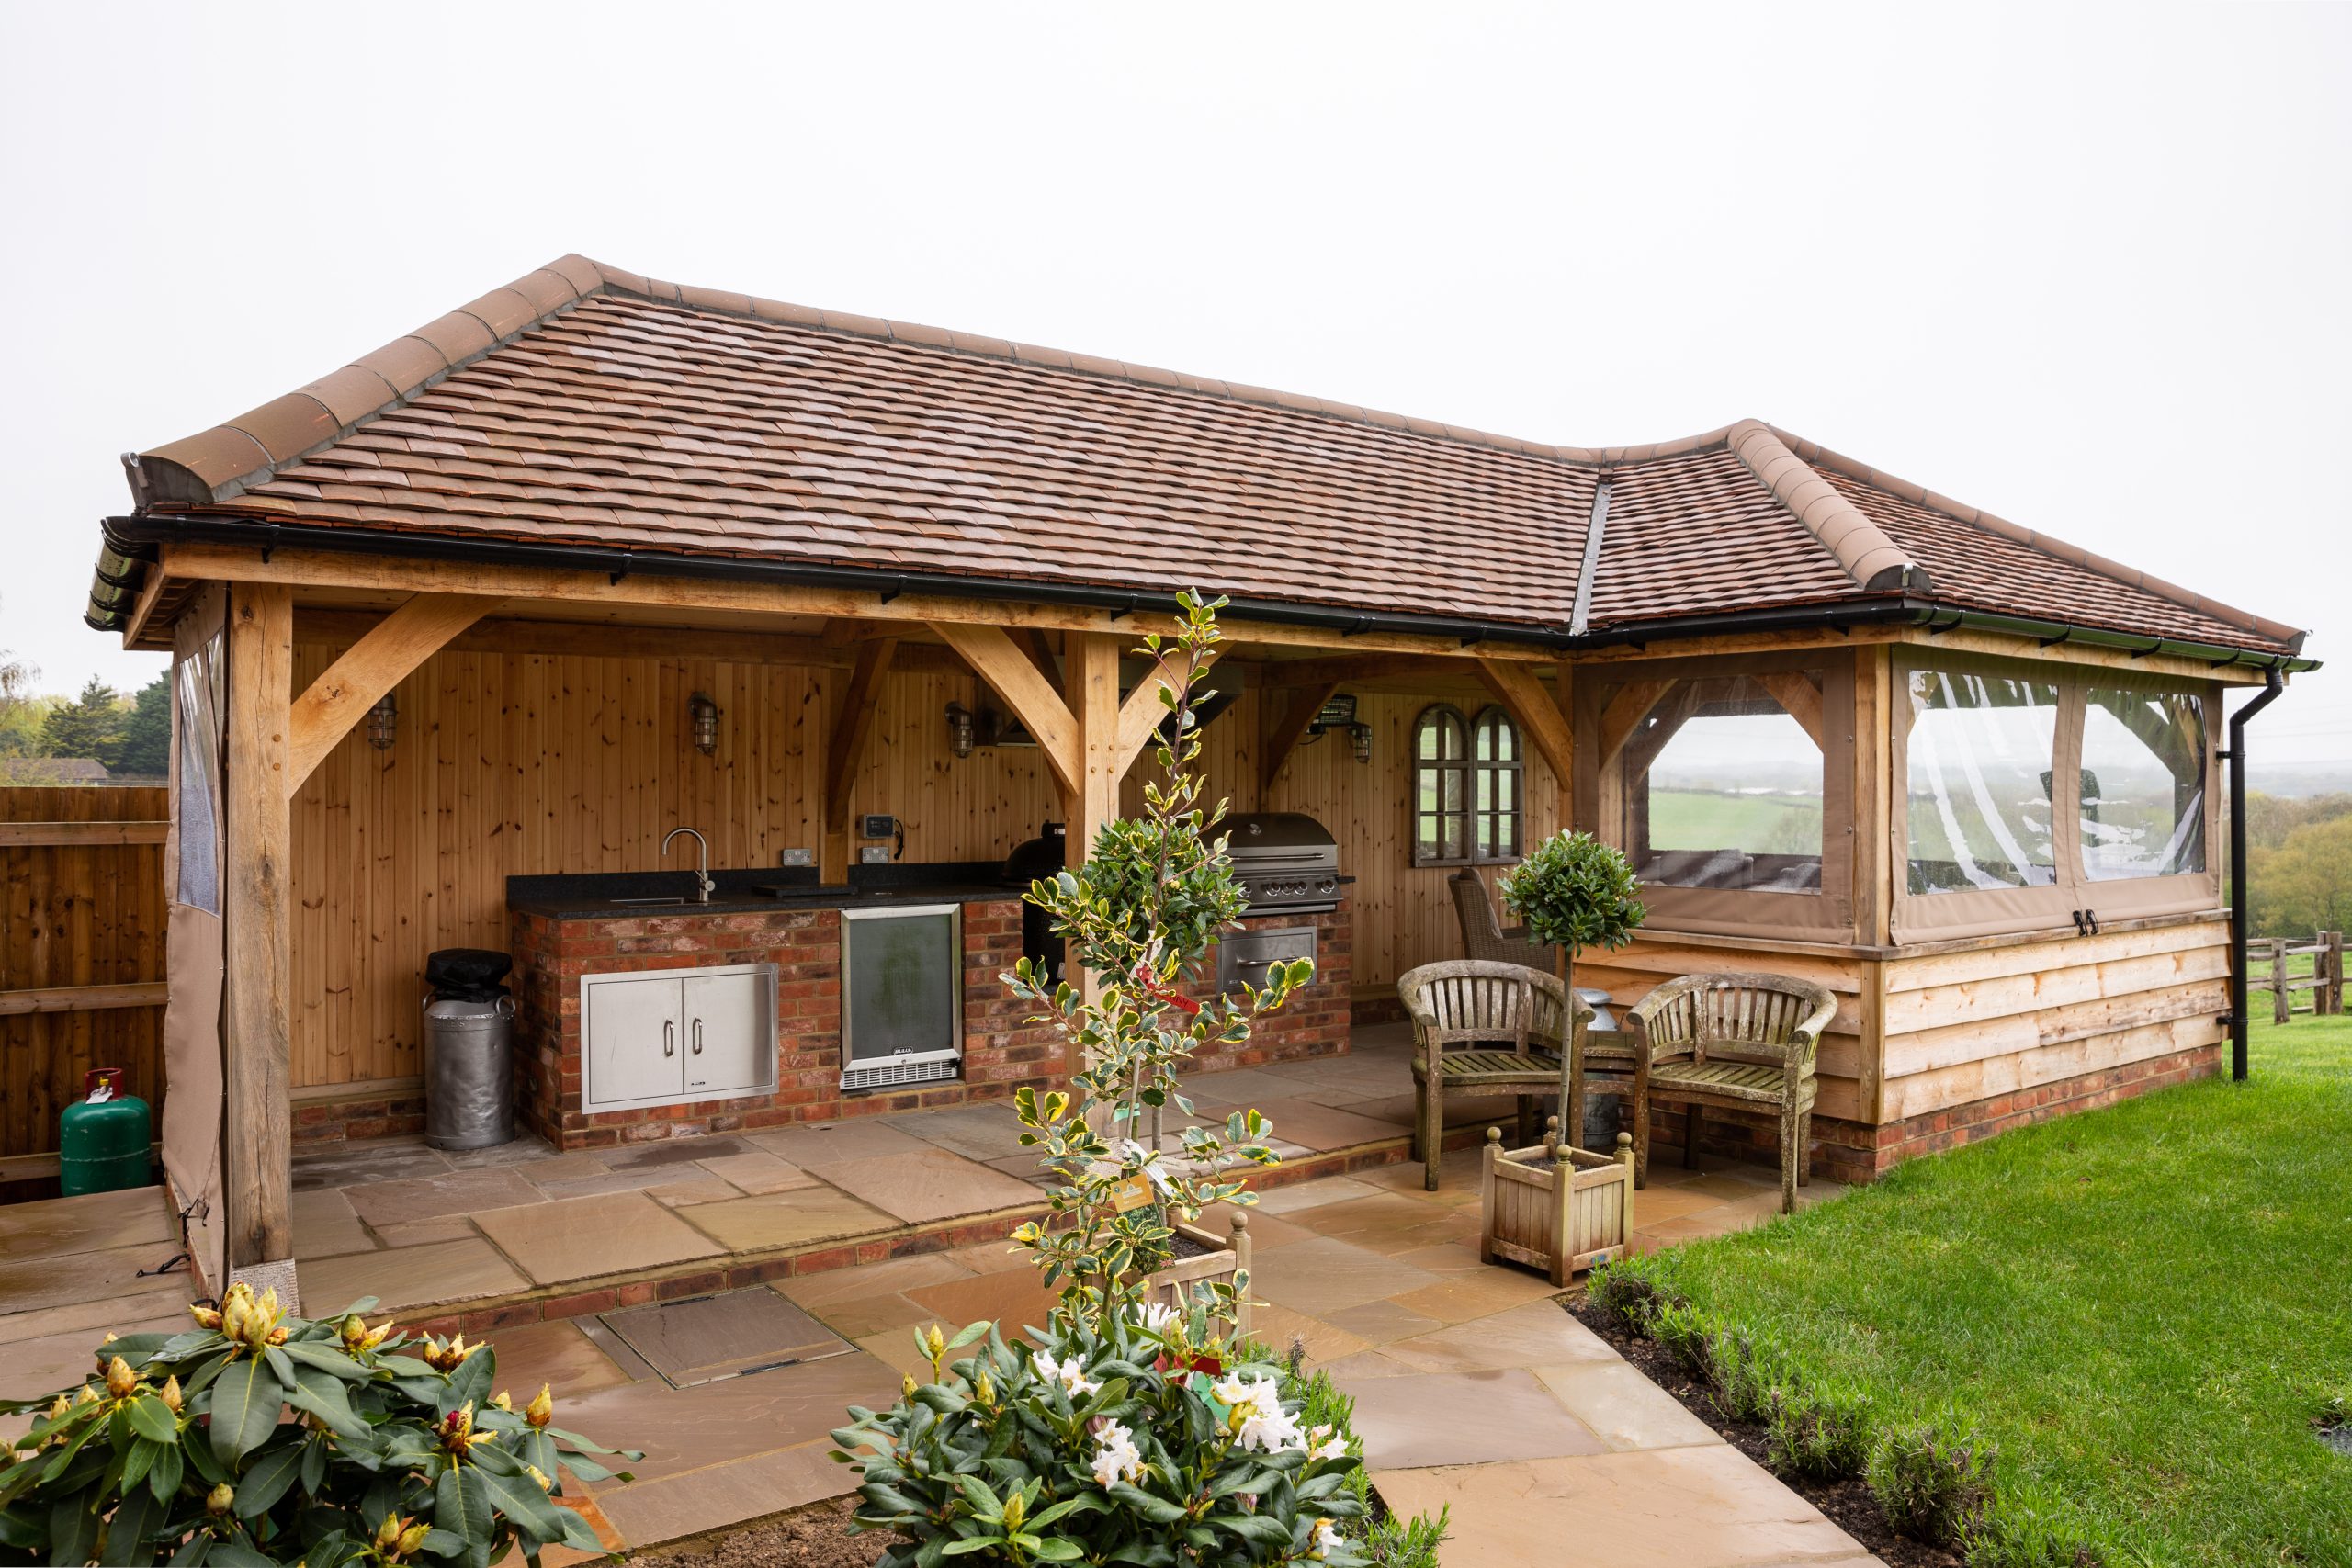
[729,1027]
[635,1039]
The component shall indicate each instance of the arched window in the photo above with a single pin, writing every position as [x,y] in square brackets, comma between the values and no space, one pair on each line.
[1495,786]
[1467,797]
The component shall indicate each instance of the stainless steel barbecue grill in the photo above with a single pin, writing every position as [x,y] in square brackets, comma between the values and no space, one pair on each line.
[1286,861]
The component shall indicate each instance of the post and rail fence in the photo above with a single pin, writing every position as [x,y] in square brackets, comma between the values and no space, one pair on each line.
[82,925]
[2270,967]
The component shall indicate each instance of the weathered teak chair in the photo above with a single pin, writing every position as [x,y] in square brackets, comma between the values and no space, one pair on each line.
[1480,1026]
[1483,936]
[1738,1043]
[1616,1058]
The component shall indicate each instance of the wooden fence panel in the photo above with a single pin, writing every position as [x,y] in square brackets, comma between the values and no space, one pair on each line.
[81,950]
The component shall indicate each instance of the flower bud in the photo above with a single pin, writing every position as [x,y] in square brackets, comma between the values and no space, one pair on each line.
[502,1401]
[984,1390]
[235,1308]
[934,1343]
[387,1534]
[121,1379]
[58,1406]
[205,1316]
[412,1538]
[172,1398]
[1014,1513]
[907,1385]
[354,1331]
[87,1396]
[546,1484]
[541,1410]
[218,1501]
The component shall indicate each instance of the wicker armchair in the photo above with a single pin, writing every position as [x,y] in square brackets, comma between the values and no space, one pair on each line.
[1482,1027]
[1738,1043]
[1483,937]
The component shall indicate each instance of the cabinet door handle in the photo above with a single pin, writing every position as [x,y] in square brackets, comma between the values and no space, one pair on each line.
[669,1037]
[697,1037]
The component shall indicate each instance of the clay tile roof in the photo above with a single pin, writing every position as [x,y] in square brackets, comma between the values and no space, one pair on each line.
[585,405]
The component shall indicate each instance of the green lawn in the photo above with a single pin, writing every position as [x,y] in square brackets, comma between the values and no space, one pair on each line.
[2144,1307]
[1710,819]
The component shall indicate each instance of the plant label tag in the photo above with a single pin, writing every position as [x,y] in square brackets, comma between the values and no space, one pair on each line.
[1133,1192]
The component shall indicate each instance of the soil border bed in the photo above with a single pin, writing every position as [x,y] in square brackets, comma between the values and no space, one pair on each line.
[1850,1505]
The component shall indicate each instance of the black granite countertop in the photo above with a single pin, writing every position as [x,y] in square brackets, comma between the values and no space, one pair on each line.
[600,896]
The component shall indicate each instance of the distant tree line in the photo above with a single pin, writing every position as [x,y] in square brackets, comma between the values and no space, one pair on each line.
[129,735]
[2299,863]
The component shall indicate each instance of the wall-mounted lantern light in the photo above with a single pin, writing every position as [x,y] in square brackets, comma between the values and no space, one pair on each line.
[960,729]
[1360,740]
[383,723]
[706,717]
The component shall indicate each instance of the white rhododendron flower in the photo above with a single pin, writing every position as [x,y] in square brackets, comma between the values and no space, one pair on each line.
[1322,1444]
[1069,1373]
[1327,1538]
[1116,1458]
[1156,1316]
[1265,1425]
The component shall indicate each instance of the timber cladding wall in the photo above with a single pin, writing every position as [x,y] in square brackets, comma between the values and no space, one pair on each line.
[81,951]
[508,764]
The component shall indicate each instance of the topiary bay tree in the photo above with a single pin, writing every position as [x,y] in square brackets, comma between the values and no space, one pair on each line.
[1575,892]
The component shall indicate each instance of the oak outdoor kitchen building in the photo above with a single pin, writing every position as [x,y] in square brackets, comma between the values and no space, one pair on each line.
[463,630]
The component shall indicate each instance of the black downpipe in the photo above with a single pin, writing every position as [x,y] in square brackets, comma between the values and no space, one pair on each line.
[2273,684]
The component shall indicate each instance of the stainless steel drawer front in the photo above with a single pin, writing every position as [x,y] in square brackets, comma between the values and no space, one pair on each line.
[1243,957]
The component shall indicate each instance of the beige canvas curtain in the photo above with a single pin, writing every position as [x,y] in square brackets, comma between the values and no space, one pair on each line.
[192,1065]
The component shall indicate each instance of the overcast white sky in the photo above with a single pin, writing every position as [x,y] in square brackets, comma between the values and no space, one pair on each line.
[2084,267]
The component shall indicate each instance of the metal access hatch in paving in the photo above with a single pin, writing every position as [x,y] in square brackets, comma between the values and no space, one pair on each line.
[705,1338]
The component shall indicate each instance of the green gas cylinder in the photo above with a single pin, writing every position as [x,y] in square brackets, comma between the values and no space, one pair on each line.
[105,1136]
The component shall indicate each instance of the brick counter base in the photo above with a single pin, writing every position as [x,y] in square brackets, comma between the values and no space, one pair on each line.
[1000,1052]
[1856,1152]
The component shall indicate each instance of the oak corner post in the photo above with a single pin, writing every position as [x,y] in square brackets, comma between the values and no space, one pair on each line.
[256,1034]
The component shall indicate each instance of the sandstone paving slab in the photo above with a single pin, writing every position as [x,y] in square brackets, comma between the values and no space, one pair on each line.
[1378,1323]
[1654,1203]
[929,1184]
[992,1256]
[34,1367]
[1278,1327]
[353,1165]
[683,1429]
[815,1144]
[560,1355]
[728,1494]
[1266,1230]
[1312,1194]
[1626,1408]
[1012,1299]
[574,1238]
[684,1150]
[1391,1223]
[1419,1419]
[781,1219]
[326,1225]
[756,1171]
[521,1150]
[1369,1363]
[106,1275]
[1694,1507]
[549,1168]
[451,1192]
[423,1233]
[854,1317]
[983,1131]
[159,1297]
[1237,1091]
[1323,1274]
[1539,1333]
[1323,1127]
[886,1277]
[1475,1293]
[670,1185]
[92,1222]
[400,1278]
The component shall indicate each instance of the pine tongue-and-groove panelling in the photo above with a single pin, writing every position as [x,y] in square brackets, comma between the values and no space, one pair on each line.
[508,764]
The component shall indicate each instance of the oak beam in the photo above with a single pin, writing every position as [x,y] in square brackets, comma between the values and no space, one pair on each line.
[1040,708]
[1091,689]
[845,748]
[1140,717]
[330,569]
[142,609]
[1539,718]
[379,660]
[1798,697]
[1292,728]
[256,911]
[1296,673]
[1624,715]
[84,998]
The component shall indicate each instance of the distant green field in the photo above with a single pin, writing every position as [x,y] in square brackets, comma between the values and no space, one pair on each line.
[1760,824]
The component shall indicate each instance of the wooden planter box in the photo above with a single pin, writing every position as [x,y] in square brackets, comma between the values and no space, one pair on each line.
[1560,1213]
[1173,1286]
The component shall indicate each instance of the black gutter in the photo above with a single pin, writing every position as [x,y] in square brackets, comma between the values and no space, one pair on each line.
[133,540]
[2272,686]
